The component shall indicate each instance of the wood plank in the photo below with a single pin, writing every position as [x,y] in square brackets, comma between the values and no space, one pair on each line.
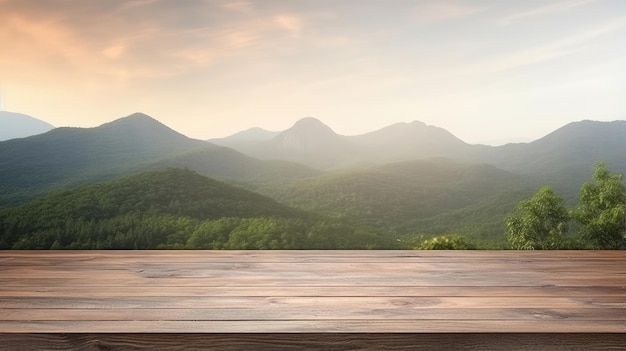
[314,312]
[371,302]
[314,341]
[312,291]
[317,326]
[476,280]
[502,266]
[44,290]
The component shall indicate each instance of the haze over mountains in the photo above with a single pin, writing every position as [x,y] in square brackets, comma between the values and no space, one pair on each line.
[313,143]
[66,157]
[572,148]
[16,125]
[405,179]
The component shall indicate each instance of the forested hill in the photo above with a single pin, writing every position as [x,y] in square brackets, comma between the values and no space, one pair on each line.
[173,209]
[145,201]
[435,196]
[231,166]
[33,166]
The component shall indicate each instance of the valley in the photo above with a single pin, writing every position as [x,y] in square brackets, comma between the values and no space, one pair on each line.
[134,183]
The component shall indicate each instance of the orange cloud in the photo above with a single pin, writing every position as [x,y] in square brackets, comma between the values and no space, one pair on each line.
[290,23]
[114,51]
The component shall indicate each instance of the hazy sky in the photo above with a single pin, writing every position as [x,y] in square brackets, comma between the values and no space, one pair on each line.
[488,71]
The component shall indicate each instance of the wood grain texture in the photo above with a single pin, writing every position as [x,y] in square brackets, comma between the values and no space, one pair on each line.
[464,300]
[312,341]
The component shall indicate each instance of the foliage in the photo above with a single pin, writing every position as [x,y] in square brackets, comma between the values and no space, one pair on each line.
[379,208]
[538,223]
[173,209]
[230,166]
[35,166]
[446,242]
[426,196]
[601,210]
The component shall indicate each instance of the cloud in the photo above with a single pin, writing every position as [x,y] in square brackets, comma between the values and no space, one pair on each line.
[290,23]
[196,56]
[545,52]
[440,11]
[544,10]
[239,6]
[121,41]
[28,39]
[138,38]
[135,3]
[114,51]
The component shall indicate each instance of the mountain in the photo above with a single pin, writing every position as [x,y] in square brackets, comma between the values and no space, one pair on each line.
[307,135]
[255,134]
[308,141]
[142,211]
[410,141]
[311,142]
[230,166]
[62,157]
[16,125]
[245,141]
[396,183]
[401,196]
[565,157]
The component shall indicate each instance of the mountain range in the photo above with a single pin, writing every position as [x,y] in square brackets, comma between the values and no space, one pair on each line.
[66,157]
[315,144]
[257,158]
[567,154]
[402,179]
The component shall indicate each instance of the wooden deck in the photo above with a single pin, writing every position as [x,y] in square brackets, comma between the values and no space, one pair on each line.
[344,300]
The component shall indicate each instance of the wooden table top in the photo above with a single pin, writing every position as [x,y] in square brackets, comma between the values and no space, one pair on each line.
[313,291]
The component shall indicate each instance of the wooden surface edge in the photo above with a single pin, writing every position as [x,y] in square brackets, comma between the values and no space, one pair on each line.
[314,341]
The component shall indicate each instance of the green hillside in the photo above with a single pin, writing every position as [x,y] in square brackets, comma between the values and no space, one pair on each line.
[482,222]
[66,157]
[32,167]
[390,205]
[174,208]
[426,197]
[231,166]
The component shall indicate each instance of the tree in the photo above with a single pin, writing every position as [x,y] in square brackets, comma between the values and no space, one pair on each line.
[601,210]
[446,242]
[538,223]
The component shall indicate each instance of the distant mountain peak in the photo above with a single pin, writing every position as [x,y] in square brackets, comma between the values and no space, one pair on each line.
[311,125]
[136,117]
[308,120]
[142,124]
[307,133]
[412,124]
[252,134]
[589,130]
[411,133]
[140,116]
[16,125]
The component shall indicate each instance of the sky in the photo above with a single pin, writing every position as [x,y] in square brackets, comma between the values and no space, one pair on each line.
[488,71]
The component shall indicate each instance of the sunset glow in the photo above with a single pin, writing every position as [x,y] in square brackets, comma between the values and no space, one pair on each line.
[488,71]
